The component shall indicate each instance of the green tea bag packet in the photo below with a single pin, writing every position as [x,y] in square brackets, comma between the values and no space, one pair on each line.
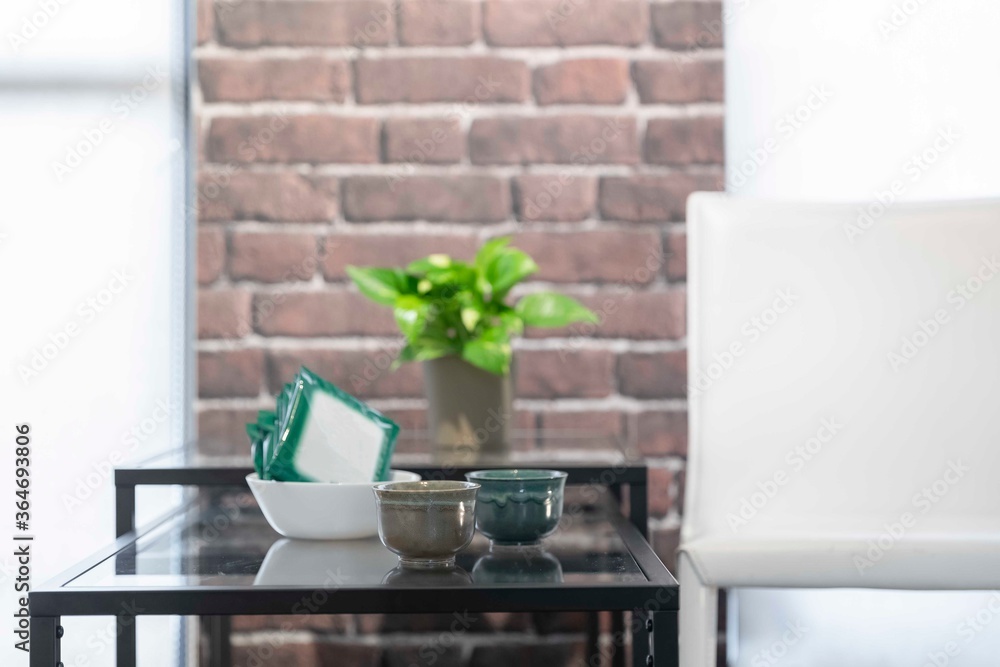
[257,453]
[266,426]
[328,435]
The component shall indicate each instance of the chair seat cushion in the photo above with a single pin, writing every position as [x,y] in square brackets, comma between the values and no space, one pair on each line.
[878,560]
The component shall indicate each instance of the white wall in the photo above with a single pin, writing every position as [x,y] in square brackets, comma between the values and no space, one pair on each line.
[89,186]
[837,100]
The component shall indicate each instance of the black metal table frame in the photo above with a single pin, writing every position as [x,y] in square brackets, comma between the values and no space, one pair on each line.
[654,624]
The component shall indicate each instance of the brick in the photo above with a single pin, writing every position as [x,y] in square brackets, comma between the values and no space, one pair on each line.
[507,621]
[653,374]
[222,432]
[684,141]
[687,25]
[466,198]
[273,197]
[434,622]
[364,373]
[413,423]
[665,544]
[583,81]
[438,22]
[558,622]
[311,314]
[560,23]
[564,373]
[357,23]
[562,197]
[601,427]
[211,254]
[334,623]
[658,491]
[230,373]
[205,21]
[424,140]
[266,652]
[597,256]
[662,433]
[249,80]
[390,250]
[676,256]
[558,651]
[470,79]
[659,198]
[629,314]
[343,653]
[281,138]
[272,258]
[679,81]
[574,139]
[223,313]
[444,655]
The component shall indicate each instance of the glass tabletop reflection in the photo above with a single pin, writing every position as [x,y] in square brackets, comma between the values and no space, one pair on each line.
[229,544]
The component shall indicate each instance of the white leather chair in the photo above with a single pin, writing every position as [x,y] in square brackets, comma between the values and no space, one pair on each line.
[844,397]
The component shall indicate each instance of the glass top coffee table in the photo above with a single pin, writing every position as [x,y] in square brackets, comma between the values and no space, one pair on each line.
[218,558]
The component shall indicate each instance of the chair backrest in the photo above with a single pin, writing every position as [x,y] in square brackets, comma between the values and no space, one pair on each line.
[844,368]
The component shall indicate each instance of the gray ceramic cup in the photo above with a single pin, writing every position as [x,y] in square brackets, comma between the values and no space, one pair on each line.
[519,506]
[426,523]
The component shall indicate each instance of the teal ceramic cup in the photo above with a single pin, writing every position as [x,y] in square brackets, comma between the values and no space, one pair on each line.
[518,506]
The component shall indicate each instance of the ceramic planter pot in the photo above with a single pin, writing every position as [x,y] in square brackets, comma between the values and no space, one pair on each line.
[470,411]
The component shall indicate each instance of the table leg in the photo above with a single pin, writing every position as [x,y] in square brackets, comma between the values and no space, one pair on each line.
[219,646]
[594,637]
[618,639]
[641,624]
[124,509]
[664,641]
[45,635]
[638,506]
[125,655]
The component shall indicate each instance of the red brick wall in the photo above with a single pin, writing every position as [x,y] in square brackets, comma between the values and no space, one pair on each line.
[335,132]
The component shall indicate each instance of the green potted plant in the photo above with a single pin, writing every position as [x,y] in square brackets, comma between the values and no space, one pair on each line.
[456,319]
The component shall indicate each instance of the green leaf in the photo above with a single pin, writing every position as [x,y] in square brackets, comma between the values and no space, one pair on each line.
[380,285]
[509,267]
[430,263]
[548,309]
[490,355]
[489,250]
[511,322]
[470,318]
[411,315]
[422,350]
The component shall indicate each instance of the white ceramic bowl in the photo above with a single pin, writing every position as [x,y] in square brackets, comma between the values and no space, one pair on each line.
[321,511]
